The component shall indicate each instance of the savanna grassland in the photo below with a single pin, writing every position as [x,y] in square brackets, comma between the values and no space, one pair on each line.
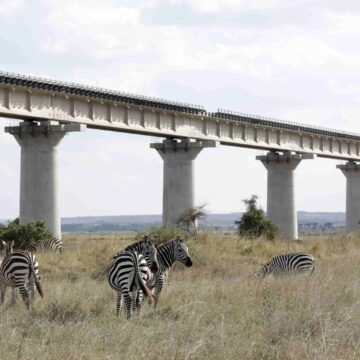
[217,309]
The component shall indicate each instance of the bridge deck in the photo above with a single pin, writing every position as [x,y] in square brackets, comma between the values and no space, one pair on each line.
[32,98]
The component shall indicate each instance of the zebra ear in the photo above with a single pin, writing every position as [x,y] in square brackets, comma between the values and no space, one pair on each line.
[179,239]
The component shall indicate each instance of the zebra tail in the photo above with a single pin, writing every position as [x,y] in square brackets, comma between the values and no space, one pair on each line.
[148,293]
[39,287]
[313,269]
[37,282]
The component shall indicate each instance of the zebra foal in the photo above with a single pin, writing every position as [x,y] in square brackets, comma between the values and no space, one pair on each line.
[293,263]
[128,272]
[19,269]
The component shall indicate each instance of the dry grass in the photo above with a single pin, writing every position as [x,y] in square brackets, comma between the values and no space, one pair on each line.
[215,310]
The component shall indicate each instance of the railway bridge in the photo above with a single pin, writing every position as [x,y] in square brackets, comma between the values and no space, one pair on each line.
[49,109]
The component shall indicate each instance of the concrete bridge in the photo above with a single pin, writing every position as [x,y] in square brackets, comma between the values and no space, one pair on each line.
[49,109]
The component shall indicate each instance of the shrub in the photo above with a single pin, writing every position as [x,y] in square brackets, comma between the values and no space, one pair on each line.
[189,218]
[254,224]
[161,234]
[24,235]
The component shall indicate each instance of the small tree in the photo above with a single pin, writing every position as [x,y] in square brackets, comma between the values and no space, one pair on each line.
[189,218]
[24,235]
[254,224]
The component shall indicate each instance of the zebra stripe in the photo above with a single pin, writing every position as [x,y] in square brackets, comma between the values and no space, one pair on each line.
[145,247]
[168,254]
[294,263]
[52,244]
[126,277]
[19,269]
[123,269]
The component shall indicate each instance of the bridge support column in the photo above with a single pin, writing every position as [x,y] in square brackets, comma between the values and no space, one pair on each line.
[178,182]
[351,170]
[38,174]
[280,190]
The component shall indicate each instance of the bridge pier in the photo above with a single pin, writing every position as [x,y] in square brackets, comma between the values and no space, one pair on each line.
[280,190]
[38,174]
[178,181]
[351,170]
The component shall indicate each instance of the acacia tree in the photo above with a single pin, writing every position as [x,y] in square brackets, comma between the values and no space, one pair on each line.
[189,218]
[254,223]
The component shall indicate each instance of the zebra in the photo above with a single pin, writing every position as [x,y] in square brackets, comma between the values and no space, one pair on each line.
[129,270]
[19,269]
[51,244]
[293,263]
[168,253]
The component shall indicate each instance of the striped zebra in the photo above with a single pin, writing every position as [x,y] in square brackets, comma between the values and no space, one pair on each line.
[128,272]
[51,244]
[168,254]
[293,263]
[19,269]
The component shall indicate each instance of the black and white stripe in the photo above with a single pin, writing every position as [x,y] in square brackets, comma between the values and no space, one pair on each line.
[168,254]
[130,270]
[52,244]
[293,263]
[19,269]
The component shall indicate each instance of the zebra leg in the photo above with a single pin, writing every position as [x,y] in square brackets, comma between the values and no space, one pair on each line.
[119,303]
[13,297]
[128,303]
[158,288]
[2,293]
[25,295]
[139,299]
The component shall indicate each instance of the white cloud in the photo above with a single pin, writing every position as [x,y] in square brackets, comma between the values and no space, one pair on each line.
[11,7]
[345,24]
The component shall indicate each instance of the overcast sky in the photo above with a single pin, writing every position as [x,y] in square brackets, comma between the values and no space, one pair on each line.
[296,60]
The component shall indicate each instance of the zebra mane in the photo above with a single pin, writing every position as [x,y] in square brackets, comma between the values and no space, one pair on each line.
[139,245]
[167,244]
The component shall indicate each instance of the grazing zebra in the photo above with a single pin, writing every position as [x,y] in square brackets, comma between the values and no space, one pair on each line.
[168,254]
[19,269]
[52,244]
[129,270]
[294,263]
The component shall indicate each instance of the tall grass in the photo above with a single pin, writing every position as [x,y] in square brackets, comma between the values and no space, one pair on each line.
[217,309]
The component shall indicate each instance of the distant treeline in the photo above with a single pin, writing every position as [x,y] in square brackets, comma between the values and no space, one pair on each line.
[107,227]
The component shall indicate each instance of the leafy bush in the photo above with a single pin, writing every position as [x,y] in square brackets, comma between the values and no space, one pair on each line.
[254,224]
[24,235]
[161,234]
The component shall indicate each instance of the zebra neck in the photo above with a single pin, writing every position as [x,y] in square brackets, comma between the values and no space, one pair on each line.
[166,256]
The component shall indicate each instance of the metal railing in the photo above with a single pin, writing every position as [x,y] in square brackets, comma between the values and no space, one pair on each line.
[283,124]
[97,92]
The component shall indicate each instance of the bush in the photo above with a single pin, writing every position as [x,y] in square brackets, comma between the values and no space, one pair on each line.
[24,235]
[254,224]
[161,234]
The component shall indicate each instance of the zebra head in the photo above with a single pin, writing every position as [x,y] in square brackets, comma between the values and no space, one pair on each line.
[149,251]
[265,270]
[181,252]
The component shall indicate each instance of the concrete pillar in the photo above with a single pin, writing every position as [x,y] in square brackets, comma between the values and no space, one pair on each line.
[178,181]
[280,190]
[351,170]
[38,174]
